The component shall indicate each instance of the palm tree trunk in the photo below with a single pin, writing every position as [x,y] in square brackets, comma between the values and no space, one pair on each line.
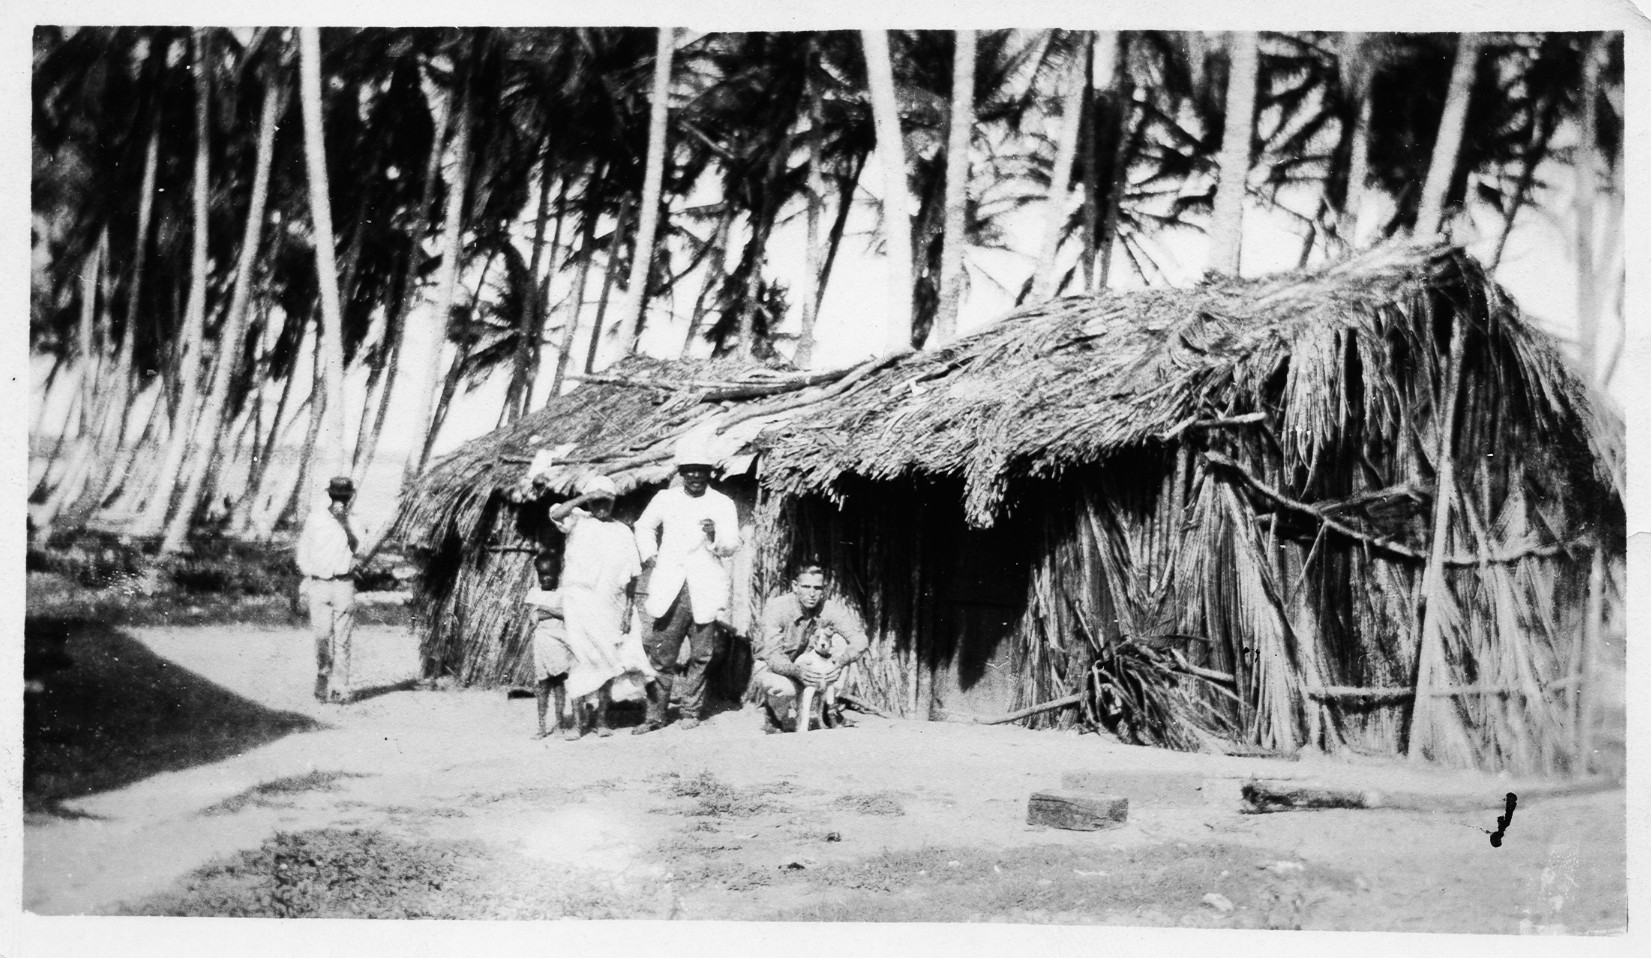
[301,493]
[533,322]
[1046,278]
[192,343]
[958,138]
[1542,128]
[713,275]
[755,256]
[616,239]
[847,186]
[813,255]
[1092,162]
[891,149]
[367,436]
[1447,147]
[246,508]
[1358,69]
[73,478]
[1120,95]
[1587,187]
[332,316]
[447,281]
[577,297]
[455,372]
[229,339]
[106,476]
[1227,219]
[629,323]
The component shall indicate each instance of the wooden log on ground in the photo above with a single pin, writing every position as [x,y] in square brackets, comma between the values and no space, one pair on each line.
[1077,811]
[1264,795]
[1285,795]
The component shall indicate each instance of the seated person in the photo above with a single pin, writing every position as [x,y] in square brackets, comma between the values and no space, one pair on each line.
[786,656]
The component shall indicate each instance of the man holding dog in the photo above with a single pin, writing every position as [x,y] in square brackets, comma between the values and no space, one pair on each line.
[790,625]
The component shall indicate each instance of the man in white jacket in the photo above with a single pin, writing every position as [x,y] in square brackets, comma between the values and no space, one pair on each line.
[685,534]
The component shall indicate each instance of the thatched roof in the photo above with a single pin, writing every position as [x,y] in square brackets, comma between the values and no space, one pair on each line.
[1078,379]
[1049,387]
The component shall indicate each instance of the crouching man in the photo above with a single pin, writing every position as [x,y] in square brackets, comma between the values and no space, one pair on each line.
[793,626]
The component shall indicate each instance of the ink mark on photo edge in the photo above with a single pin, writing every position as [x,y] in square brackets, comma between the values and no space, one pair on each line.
[1503,821]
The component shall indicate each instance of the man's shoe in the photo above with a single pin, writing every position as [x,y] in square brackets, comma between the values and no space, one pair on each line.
[688,723]
[646,727]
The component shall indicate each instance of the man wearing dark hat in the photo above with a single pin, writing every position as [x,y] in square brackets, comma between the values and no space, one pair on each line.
[326,557]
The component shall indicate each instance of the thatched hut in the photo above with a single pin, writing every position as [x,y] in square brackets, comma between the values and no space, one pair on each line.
[1226,510]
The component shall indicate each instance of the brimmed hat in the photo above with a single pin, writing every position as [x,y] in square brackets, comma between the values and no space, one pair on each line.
[341,486]
[599,486]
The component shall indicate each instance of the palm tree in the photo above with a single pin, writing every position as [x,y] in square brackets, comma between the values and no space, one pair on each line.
[896,220]
[636,296]
[1227,219]
[1442,167]
[1073,100]
[959,136]
[193,339]
[213,424]
[434,334]
[331,347]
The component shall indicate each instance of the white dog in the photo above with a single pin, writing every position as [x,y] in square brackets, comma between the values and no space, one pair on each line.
[824,652]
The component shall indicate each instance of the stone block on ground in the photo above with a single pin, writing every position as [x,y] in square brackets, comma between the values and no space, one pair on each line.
[1077,811]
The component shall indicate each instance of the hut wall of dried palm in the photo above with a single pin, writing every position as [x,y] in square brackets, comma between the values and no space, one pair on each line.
[1252,464]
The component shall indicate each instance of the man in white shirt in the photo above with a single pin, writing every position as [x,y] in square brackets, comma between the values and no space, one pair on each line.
[326,558]
[685,533]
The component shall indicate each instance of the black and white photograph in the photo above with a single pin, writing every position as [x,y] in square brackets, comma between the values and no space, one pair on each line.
[1005,467]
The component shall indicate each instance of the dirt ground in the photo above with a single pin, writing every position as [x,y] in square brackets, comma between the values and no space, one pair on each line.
[187,771]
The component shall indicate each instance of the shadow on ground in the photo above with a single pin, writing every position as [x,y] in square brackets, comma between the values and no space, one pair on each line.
[119,713]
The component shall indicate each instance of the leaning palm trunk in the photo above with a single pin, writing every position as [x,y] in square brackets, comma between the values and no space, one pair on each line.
[891,149]
[1357,73]
[1447,146]
[82,448]
[519,393]
[1227,219]
[332,317]
[629,323]
[229,340]
[1045,281]
[616,239]
[192,345]
[1588,284]
[714,276]
[106,475]
[958,138]
[816,203]
[396,334]
[447,281]
[587,253]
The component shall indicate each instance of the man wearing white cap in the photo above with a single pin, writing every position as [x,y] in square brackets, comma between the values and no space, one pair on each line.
[599,570]
[686,533]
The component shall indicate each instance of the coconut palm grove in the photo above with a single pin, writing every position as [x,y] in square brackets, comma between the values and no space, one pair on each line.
[1233,415]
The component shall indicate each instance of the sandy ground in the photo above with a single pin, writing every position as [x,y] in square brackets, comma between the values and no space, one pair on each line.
[889,820]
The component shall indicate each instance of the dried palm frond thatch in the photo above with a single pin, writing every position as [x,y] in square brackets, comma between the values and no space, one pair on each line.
[1358,503]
